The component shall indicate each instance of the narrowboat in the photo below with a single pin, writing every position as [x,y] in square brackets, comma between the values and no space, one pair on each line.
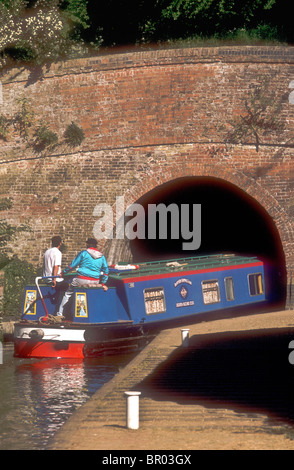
[141,300]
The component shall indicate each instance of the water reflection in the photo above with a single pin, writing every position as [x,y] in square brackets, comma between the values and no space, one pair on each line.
[37,396]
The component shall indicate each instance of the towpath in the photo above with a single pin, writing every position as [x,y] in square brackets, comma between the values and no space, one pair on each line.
[231,388]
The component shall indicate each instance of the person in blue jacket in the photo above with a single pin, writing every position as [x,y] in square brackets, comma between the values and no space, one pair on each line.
[92,270]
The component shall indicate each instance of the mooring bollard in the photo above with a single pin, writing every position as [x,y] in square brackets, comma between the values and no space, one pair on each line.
[132,409]
[185,337]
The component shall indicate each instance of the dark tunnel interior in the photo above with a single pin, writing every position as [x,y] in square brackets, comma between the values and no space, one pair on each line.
[231,222]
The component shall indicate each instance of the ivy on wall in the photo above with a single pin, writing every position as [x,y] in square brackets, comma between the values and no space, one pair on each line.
[35,132]
[37,135]
[261,116]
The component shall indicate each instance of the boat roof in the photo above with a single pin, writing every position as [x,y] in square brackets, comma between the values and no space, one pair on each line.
[184,264]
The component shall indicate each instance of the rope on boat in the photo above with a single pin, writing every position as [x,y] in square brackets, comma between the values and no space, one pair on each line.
[50,319]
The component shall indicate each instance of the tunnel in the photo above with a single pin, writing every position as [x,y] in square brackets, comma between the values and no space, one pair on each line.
[231,222]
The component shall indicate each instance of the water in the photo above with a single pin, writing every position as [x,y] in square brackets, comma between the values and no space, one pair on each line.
[38,396]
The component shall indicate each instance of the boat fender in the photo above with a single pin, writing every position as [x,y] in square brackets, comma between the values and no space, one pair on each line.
[36,334]
[123,267]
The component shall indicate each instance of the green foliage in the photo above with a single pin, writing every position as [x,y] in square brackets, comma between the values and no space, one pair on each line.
[17,274]
[5,203]
[37,133]
[44,138]
[76,11]
[24,118]
[6,233]
[210,18]
[4,125]
[261,116]
[74,135]
[144,21]
[40,31]
[4,260]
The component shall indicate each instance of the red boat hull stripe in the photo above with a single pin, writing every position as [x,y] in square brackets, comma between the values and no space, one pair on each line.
[52,349]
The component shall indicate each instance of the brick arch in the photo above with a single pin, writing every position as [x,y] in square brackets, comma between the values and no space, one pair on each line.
[156,177]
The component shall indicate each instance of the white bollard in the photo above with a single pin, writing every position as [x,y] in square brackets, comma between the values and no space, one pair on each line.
[185,337]
[132,409]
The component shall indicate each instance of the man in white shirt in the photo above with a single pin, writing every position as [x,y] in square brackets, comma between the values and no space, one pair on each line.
[52,260]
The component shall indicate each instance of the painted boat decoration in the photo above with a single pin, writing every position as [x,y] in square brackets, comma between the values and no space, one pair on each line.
[141,300]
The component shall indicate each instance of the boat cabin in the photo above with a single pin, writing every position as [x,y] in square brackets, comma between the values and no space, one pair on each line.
[159,290]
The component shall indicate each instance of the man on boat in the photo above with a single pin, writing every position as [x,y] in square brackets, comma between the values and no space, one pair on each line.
[92,270]
[52,261]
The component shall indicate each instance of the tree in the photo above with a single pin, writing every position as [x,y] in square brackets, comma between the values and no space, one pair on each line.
[40,31]
[188,18]
[119,22]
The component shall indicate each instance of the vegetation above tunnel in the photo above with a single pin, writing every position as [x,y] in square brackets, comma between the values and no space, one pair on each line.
[40,31]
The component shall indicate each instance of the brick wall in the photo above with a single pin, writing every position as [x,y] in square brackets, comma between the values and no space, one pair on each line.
[149,118]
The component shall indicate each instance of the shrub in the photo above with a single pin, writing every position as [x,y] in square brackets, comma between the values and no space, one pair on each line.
[4,125]
[74,135]
[44,138]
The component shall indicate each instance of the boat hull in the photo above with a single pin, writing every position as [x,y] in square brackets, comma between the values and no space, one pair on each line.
[48,349]
[66,340]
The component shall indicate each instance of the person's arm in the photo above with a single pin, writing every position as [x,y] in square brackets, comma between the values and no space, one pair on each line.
[57,266]
[104,273]
[74,264]
[55,273]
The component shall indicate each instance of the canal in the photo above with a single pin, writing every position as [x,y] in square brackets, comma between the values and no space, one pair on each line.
[37,396]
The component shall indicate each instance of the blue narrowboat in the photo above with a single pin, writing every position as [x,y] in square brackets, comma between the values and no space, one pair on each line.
[140,301]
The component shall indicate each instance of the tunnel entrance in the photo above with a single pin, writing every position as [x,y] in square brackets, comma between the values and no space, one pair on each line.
[231,222]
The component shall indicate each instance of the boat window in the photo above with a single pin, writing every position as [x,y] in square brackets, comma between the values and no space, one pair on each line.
[229,285]
[154,300]
[210,290]
[81,308]
[255,284]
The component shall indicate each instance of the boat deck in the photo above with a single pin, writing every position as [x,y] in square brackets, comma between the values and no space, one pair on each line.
[184,264]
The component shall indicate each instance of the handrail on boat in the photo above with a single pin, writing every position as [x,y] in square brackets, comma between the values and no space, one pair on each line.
[40,293]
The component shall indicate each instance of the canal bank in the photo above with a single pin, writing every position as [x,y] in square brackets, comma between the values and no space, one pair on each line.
[231,388]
